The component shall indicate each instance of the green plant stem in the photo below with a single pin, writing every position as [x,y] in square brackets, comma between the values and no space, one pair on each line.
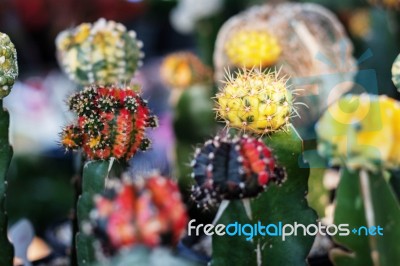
[93,183]
[6,248]
[369,213]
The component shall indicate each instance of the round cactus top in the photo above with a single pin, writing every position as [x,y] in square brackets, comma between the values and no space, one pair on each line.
[103,53]
[111,123]
[249,48]
[361,132]
[140,213]
[184,69]
[8,65]
[255,101]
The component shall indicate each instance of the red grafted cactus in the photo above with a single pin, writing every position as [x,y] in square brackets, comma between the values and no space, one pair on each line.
[148,212]
[226,168]
[111,123]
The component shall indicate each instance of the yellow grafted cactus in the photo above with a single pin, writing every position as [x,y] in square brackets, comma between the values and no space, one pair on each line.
[103,52]
[252,48]
[184,69]
[361,131]
[8,65]
[255,101]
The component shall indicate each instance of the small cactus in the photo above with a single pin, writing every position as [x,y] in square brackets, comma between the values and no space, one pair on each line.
[102,53]
[252,48]
[357,131]
[255,101]
[8,65]
[396,72]
[142,212]
[111,123]
[184,69]
[236,168]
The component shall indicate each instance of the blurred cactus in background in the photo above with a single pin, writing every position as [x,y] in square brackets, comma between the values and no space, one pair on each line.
[181,70]
[396,72]
[8,74]
[235,168]
[146,211]
[248,48]
[102,53]
[360,134]
[111,123]
[255,101]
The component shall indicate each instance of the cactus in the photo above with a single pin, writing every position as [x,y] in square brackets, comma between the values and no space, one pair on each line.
[285,203]
[184,69]
[93,183]
[8,65]
[111,123]
[226,169]
[249,48]
[359,133]
[102,53]
[8,74]
[396,72]
[147,211]
[356,132]
[255,101]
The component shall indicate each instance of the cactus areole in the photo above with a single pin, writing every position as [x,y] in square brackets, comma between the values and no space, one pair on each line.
[111,123]
[236,168]
[8,65]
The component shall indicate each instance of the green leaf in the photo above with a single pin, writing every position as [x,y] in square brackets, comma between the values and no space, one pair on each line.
[286,204]
[351,209]
[93,182]
[6,248]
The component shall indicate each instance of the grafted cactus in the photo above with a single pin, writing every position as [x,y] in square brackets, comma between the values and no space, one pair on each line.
[255,101]
[360,133]
[111,123]
[147,211]
[229,169]
[184,69]
[8,74]
[8,65]
[103,53]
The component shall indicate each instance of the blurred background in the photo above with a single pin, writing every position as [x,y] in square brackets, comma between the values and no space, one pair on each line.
[40,187]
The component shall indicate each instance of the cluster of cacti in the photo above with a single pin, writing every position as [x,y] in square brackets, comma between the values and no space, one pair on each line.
[360,131]
[147,211]
[184,69]
[8,74]
[111,123]
[249,48]
[103,52]
[255,101]
[226,169]
[8,65]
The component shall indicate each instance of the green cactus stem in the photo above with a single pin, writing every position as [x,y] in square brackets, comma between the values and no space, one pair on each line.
[93,182]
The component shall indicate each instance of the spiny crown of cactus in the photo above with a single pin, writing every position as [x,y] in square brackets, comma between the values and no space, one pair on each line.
[111,123]
[184,69]
[226,168]
[102,53]
[8,65]
[361,131]
[252,48]
[148,211]
[255,101]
